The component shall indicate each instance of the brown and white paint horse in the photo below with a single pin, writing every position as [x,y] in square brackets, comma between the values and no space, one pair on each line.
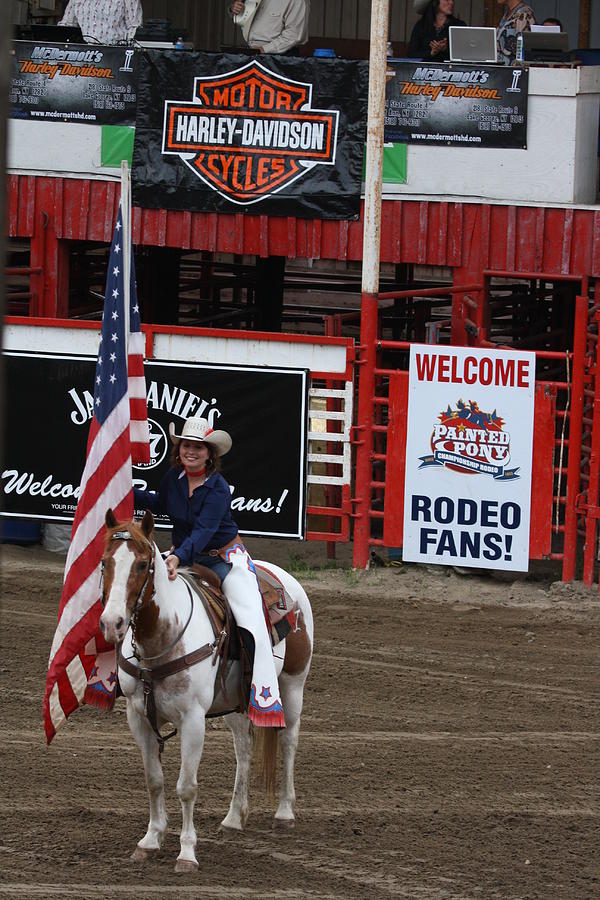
[136,583]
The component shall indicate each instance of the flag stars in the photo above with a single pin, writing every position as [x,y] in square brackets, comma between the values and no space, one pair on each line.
[118,226]
[113,356]
[98,379]
[114,338]
[115,315]
[116,271]
[117,248]
[115,293]
[112,379]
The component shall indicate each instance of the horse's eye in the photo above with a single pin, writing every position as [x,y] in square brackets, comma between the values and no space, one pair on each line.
[142,566]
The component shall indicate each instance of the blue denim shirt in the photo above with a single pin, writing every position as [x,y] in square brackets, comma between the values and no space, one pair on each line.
[201,522]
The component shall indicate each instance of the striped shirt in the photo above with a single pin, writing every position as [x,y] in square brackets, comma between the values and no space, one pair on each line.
[104,21]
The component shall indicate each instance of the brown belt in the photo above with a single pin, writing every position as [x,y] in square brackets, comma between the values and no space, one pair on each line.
[223,550]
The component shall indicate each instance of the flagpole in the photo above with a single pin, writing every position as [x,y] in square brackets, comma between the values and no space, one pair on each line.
[126,243]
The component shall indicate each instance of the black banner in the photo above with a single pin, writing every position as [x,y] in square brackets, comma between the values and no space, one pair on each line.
[457,105]
[74,83]
[277,135]
[263,409]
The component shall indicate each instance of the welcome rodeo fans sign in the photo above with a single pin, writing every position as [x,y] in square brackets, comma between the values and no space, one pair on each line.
[469,457]
[457,105]
[73,83]
[264,410]
[279,136]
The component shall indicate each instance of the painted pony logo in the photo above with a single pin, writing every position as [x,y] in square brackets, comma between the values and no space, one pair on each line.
[250,132]
[471,441]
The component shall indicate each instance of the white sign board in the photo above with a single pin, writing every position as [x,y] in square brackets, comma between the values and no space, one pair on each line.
[468,457]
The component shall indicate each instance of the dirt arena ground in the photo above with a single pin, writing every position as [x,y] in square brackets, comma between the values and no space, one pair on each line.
[450,749]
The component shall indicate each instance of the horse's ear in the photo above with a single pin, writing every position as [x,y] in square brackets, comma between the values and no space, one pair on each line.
[148,523]
[110,519]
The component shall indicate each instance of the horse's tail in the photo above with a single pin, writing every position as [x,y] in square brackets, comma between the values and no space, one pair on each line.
[265,755]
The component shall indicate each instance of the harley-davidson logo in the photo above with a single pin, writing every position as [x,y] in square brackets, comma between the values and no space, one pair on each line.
[250,132]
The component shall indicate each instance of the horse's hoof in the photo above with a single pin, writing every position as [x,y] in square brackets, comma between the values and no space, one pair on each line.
[228,830]
[140,855]
[284,824]
[186,866]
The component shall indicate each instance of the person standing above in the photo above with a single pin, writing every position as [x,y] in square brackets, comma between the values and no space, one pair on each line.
[556,23]
[104,21]
[517,17]
[429,38]
[277,26]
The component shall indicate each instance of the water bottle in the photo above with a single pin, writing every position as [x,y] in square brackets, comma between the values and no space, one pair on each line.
[179,43]
[520,54]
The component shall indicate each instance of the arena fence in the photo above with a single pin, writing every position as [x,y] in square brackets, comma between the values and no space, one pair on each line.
[328,359]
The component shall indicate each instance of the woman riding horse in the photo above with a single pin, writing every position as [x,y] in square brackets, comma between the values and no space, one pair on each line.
[197,500]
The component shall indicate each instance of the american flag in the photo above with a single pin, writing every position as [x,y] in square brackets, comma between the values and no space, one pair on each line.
[82,666]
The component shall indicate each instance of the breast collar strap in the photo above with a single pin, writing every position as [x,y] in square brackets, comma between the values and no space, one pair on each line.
[176,640]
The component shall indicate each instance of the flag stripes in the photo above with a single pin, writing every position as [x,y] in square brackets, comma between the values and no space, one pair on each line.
[118,434]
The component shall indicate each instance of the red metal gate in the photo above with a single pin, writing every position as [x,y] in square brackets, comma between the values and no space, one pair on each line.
[559,436]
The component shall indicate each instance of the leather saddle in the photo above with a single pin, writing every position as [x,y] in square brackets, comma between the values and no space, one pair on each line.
[273,598]
[235,644]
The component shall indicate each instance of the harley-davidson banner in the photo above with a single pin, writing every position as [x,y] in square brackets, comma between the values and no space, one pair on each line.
[457,105]
[85,83]
[276,135]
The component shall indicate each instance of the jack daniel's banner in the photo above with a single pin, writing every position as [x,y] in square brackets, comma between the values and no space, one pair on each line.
[263,409]
[85,83]
[456,105]
[278,135]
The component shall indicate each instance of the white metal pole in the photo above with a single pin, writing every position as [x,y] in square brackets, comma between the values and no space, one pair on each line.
[374,162]
[370,281]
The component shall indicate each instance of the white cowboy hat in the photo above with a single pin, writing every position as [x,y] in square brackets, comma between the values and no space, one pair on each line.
[420,6]
[197,429]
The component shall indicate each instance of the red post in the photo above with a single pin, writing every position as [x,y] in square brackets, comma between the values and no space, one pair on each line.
[364,429]
[575,438]
[589,547]
[49,254]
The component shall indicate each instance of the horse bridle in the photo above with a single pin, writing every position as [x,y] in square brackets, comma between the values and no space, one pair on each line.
[141,599]
[126,536]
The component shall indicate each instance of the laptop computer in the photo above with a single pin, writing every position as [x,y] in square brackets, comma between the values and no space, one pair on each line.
[472,45]
[56,34]
[546,46]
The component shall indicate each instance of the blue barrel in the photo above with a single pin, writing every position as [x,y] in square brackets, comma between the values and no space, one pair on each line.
[21,531]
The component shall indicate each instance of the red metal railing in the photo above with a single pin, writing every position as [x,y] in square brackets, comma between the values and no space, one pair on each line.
[572,415]
[363,513]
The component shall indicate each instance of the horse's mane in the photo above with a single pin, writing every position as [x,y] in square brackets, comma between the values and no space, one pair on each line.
[138,537]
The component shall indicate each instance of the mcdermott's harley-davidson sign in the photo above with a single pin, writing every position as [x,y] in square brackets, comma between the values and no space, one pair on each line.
[83,83]
[281,136]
